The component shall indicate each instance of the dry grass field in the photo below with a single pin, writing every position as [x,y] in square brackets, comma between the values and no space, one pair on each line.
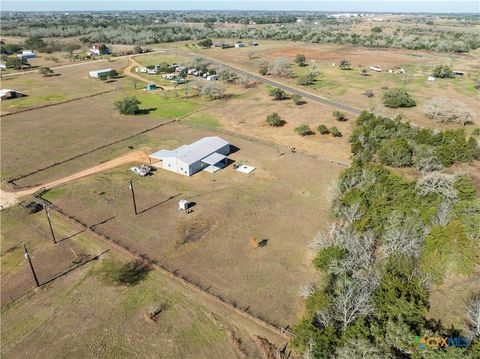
[67,83]
[212,246]
[348,86]
[86,316]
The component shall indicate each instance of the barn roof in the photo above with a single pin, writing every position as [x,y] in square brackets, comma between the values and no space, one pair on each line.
[194,152]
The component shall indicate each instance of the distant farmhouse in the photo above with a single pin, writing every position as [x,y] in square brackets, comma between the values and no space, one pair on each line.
[98,73]
[7,94]
[99,49]
[207,154]
[27,54]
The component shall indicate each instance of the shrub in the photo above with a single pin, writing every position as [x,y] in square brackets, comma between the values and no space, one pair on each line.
[128,106]
[327,256]
[396,152]
[297,99]
[335,132]
[303,130]
[465,187]
[443,110]
[397,98]
[307,80]
[205,43]
[339,116]
[345,65]
[376,30]
[15,63]
[476,131]
[112,74]
[263,70]
[45,71]
[323,130]
[443,72]
[300,59]
[35,43]
[274,120]
[278,94]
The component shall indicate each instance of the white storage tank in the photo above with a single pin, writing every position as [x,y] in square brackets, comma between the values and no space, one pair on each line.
[183,204]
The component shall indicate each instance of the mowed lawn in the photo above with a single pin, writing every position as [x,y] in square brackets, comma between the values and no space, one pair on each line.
[286,202]
[66,84]
[86,316]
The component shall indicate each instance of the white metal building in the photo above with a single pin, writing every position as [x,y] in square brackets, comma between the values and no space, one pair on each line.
[97,73]
[207,154]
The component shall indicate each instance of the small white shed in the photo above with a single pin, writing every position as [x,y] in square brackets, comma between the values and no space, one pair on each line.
[95,74]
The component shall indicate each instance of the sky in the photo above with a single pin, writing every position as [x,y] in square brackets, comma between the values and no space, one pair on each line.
[432,6]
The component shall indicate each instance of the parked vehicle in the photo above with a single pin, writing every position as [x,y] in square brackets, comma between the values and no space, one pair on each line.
[143,170]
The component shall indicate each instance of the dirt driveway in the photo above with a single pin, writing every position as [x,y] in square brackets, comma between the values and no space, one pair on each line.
[8,199]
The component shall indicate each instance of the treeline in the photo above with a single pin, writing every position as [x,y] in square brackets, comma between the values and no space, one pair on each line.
[392,239]
[147,28]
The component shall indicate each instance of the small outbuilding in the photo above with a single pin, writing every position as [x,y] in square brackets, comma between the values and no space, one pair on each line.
[97,73]
[151,87]
[7,94]
[27,54]
[239,45]
[207,154]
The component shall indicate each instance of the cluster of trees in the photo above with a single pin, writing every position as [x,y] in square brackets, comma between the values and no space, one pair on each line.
[400,144]
[391,240]
[398,98]
[147,28]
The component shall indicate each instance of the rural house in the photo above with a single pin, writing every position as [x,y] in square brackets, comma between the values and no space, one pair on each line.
[207,154]
[99,49]
[97,73]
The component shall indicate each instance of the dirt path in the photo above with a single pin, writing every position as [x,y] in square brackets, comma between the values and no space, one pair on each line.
[127,71]
[8,199]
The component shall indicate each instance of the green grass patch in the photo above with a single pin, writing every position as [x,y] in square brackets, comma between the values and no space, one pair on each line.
[204,120]
[168,107]
[25,102]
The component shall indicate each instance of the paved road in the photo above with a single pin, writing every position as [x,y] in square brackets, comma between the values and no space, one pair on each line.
[290,89]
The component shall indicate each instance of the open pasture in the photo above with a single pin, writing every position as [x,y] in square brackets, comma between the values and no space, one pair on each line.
[213,245]
[35,139]
[66,83]
[87,316]
[348,86]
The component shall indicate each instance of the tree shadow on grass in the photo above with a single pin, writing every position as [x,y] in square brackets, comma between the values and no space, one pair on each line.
[146,111]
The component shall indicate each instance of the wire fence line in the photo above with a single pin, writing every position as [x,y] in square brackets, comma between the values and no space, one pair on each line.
[172,273]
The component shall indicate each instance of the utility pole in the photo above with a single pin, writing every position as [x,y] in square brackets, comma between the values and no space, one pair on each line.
[27,256]
[50,224]
[133,197]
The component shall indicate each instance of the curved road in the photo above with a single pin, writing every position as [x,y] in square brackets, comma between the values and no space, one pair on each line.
[290,89]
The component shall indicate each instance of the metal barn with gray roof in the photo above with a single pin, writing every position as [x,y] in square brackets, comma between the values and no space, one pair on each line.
[207,154]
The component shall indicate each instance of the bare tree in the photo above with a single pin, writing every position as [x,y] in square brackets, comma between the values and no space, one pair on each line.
[429,164]
[244,80]
[472,317]
[350,214]
[360,349]
[437,182]
[306,291]
[281,67]
[323,318]
[213,89]
[353,299]
[403,236]
[443,110]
